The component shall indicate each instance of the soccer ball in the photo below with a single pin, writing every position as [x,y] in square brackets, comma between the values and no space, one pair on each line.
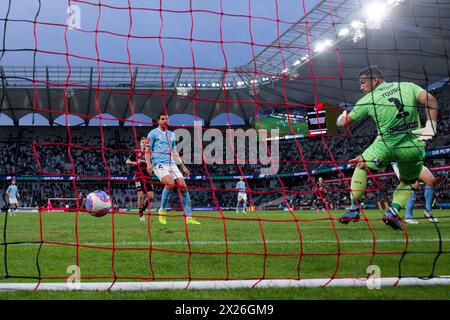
[98,203]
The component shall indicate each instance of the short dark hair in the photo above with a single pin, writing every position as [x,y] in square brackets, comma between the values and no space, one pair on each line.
[144,138]
[161,114]
[371,72]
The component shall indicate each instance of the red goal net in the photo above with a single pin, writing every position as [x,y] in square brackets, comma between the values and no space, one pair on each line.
[252,91]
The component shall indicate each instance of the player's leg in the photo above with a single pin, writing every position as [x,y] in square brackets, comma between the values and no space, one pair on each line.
[13,206]
[177,176]
[140,202]
[140,195]
[148,189]
[165,196]
[164,176]
[148,201]
[244,205]
[317,205]
[185,198]
[237,203]
[368,160]
[430,181]
[410,164]
[409,218]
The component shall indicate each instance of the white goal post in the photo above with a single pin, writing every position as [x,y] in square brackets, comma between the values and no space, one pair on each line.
[371,283]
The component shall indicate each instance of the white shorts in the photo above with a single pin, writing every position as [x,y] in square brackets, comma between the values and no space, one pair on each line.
[242,196]
[162,170]
[13,201]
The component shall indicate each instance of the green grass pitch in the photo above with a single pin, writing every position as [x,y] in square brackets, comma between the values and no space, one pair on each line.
[225,246]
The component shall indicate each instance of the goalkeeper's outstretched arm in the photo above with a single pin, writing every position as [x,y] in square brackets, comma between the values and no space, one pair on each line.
[431,110]
[344,120]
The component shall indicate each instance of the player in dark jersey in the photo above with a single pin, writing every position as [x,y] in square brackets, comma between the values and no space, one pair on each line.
[141,177]
[319,202]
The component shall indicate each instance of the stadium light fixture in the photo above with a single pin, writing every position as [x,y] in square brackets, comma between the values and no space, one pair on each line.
[375,13]
[393,3]
[240,83]
[322,46]
[182,91]
[296,63]
[357,30]
[343,32]
[284,71]
[357,25]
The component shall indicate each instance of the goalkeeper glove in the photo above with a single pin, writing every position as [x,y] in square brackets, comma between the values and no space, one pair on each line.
[427,132]
[342,119]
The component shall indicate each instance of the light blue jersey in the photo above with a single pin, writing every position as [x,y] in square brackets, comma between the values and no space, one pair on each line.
[241,186]
[162,144]
[12,190]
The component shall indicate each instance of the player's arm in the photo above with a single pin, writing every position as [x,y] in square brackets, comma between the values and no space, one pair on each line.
[431,105]
[7,192]
[431,109]
[179,162]
[360,111]
[148,153]
[148,159]
[130,160]
[344,119]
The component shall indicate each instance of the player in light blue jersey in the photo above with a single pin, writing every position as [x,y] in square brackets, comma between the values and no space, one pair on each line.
[163,159]
[12,193]
[242,195]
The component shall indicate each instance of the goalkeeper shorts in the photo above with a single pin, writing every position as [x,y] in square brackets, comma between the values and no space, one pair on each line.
[409,159]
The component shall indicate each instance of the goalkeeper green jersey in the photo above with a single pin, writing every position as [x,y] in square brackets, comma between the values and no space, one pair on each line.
[393,106]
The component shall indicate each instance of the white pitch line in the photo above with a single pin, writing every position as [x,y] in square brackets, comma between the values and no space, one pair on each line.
[250,242]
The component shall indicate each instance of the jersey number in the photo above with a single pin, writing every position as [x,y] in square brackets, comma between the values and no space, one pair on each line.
[400,107]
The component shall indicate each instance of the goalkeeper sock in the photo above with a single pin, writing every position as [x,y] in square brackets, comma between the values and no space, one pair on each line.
[165,198]
[244,206]
[186,199]
[429,192]
[141,211]
[358,187]
[401,196]
[410,206]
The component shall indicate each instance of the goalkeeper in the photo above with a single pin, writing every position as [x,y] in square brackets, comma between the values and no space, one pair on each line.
[400,138]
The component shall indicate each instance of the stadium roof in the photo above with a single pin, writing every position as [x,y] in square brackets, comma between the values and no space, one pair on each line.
[321,57]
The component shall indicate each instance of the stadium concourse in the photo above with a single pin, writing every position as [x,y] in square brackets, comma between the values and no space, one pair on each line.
[18,159]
